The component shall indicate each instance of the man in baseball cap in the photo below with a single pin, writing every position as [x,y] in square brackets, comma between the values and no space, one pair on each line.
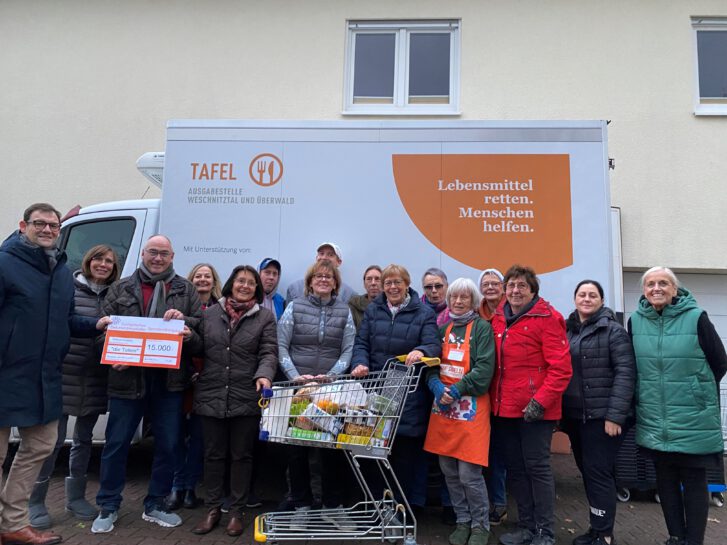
[326,250]
[270,276]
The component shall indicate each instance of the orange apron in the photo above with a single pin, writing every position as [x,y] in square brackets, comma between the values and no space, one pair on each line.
[463,430]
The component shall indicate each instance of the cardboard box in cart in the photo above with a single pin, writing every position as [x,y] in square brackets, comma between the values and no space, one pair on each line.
[458,195]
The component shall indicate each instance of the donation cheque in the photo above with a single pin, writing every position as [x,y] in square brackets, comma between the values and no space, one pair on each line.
[144,342]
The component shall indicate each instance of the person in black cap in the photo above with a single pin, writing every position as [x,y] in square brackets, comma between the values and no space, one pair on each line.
[270,276]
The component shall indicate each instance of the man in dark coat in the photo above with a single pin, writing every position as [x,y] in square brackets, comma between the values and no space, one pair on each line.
[154,290]
[36,321]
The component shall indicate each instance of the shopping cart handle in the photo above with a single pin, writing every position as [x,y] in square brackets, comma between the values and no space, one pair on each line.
[266,393]
[259,532]
[429,362]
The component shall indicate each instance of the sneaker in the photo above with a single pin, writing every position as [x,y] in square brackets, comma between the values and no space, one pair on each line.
[479,536]
[253,502]
[587,538]
[498,515]
[339,518]
[601,540]
[541,538]
[460,535]
[674,540]
[104,522]
[162,517]
[521,536]
[299,520]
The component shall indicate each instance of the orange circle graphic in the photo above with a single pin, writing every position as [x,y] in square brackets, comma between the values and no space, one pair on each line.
[266,169]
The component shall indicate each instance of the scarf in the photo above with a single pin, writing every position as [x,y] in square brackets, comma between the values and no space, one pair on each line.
[50,253]
[398,308]
[462,319]
[511,318]
[436,307]
[158,305]
[237,309]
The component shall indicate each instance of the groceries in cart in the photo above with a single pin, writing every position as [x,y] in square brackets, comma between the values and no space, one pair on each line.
[337,414]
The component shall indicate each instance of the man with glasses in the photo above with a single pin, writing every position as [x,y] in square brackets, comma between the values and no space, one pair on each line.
[36,320]
[154,290]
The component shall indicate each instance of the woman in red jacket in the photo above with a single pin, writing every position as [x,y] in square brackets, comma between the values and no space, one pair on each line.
[533,370]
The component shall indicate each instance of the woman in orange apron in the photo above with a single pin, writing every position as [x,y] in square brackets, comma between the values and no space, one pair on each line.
[459,427]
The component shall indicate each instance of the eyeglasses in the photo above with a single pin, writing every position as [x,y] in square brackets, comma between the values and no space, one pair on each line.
[244,282]
[40,225]
[461,297]
[164,254]
[390,283]
[491,284]
[102,259]
[432,287]
[522,286]
[323,276]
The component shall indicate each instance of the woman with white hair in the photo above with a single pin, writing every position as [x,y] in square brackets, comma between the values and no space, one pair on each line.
[459,426]
[680,361]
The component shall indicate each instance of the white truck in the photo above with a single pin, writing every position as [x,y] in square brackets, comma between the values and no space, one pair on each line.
[459,195]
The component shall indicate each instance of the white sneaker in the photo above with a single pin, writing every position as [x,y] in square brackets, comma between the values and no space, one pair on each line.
[299,521]
[340,519]
[159,516]
[104,522]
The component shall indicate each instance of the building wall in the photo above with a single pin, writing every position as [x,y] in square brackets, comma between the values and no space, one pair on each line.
[87,87]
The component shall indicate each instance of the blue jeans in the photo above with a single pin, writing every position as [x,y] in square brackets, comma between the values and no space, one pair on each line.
[190,456]
[165,409]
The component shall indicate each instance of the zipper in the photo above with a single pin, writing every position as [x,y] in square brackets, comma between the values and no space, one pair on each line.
[660,360]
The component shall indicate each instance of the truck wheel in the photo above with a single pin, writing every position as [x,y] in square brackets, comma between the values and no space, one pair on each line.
[623,494]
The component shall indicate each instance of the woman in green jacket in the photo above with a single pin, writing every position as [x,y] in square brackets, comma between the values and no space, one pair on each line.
[680,361]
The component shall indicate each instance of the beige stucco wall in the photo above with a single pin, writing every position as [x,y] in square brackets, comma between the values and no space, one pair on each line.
[87,86]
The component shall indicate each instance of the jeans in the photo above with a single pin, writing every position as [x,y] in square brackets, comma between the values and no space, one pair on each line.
[527,455]
[164,408]
[409,462]
[467,491]
[230,439]
[80,448]
[190,456]
[36,444]
[595,454]
[685,510]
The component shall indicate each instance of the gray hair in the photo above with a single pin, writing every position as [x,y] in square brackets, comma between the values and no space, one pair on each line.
[493,272]
[667,271]
[465,285]
[433,271]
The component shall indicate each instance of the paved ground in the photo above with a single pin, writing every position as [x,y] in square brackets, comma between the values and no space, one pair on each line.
[639,522]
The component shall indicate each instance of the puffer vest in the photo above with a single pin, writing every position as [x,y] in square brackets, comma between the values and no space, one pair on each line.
[317,334]
[676,401]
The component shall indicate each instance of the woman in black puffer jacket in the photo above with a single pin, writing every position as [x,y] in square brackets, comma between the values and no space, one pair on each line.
[84,391]
[597,406]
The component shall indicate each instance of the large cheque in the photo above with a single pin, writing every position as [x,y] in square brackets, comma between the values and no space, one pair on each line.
[143,342]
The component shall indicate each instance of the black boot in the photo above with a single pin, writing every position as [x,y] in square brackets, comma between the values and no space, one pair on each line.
[190,499]
[175,499]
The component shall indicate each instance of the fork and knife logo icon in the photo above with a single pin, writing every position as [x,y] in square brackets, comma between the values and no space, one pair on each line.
[266,169]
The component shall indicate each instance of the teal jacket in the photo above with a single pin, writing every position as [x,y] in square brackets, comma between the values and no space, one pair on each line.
[677,407]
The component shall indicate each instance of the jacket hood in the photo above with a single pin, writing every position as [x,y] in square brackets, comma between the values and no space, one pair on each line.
[33,255]
[683,302]
[80,281]
[540,308]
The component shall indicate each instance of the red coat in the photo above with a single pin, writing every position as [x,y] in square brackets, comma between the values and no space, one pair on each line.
[533,361]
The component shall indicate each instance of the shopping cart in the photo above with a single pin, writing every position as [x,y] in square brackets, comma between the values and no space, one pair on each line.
[360,417]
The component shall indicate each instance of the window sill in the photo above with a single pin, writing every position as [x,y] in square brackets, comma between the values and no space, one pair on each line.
[710,109]
[390,111]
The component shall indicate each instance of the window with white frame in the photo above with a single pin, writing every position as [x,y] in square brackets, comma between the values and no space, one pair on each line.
[402,67]
[710,39]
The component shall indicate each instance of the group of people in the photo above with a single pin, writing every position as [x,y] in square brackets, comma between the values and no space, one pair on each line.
[512,371]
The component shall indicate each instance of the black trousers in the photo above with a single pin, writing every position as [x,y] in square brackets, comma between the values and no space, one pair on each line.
[233,437]
[529,473]
[685,511]
[595,454]
[335,475]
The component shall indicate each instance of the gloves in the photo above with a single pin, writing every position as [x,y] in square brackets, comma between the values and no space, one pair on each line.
[437,387]
[454,392]
[533,412]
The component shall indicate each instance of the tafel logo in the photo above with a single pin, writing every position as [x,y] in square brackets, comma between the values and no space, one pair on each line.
[266,169]
[488,210]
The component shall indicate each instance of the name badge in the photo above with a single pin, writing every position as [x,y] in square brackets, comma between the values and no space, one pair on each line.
[456,355]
